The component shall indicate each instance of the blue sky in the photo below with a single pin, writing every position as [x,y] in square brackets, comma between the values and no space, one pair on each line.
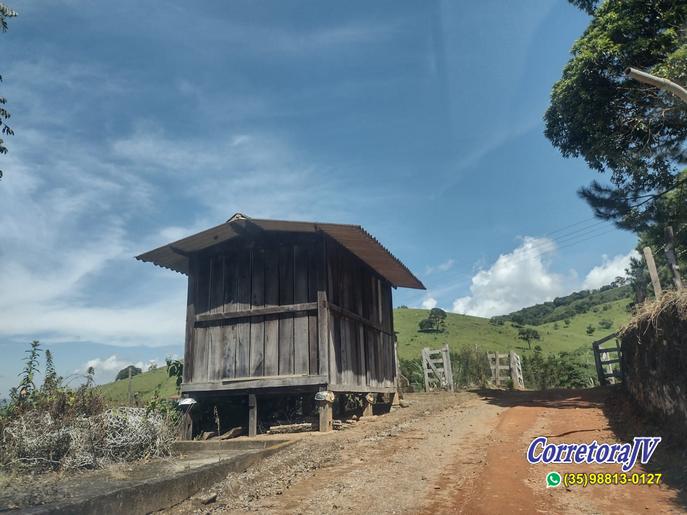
[139,123]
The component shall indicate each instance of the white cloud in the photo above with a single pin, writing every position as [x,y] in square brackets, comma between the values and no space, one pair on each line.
[110,364]
[441,267]
[429,303]
[517,279]
[105,367]
[608,270]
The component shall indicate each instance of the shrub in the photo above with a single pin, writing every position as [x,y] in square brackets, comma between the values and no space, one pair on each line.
[37,441]
[55,427]
[605,323]
[426,325]
[470,367]
[559,370]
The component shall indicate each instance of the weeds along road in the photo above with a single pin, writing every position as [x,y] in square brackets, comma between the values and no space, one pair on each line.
[446,453]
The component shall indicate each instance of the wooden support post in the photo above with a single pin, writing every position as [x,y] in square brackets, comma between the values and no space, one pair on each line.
[670,257]
[397,379]
[252,415]
[651,265]
[368,403]
[186,426]
[326,413]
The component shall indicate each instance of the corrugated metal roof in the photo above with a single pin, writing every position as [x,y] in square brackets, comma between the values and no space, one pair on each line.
[353,237]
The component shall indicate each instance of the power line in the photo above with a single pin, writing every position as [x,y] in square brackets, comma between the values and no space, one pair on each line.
[571,225]
[551,246]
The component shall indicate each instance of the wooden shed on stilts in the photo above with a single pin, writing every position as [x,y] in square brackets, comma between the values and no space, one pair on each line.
[282,307]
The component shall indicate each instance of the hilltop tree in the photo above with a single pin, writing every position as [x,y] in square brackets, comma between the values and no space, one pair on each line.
[124,373]
[426,325]
[5,13]
[435,321]
[529,335]
[438,318]
[616,124]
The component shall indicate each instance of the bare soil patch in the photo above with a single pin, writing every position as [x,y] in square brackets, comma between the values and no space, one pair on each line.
[446,453]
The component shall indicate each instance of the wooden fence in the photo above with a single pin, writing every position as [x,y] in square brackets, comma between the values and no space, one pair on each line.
[506,367]
[436,364]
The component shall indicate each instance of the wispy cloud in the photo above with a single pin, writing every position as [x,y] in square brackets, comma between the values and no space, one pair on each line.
[441,267]
[74,216]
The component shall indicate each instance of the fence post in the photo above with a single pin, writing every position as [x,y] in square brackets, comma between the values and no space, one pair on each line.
[448,371]
[514,376]
[651,265]
[599,368]
[670,257]
[425,367]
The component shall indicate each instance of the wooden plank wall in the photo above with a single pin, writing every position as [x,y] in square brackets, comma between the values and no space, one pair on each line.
[360,354]
[280,271]
[243,276]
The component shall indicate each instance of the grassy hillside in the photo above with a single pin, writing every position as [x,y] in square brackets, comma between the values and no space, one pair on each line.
[144,384]
[467,330]
[568,306]
[460,330]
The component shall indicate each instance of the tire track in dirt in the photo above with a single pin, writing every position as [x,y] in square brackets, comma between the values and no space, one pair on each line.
[501,482]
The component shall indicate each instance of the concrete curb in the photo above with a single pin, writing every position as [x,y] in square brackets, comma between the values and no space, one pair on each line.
[157,494]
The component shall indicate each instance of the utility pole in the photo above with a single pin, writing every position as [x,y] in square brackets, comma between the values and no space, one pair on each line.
[672,260]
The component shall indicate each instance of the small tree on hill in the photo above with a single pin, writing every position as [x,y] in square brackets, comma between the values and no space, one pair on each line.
[438,318]
[528,334]
[124,373]
[590,330]
[605,323]
[426,325]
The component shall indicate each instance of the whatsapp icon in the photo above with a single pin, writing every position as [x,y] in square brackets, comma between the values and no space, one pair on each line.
[553,479]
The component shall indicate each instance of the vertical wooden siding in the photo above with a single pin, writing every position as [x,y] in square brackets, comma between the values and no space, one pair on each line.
[244,277]
[360,355]
[288,271]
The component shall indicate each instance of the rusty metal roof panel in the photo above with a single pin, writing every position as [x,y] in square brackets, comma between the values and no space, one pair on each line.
[353,237]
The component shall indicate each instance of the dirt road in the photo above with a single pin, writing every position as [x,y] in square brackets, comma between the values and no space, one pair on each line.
[460,453]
